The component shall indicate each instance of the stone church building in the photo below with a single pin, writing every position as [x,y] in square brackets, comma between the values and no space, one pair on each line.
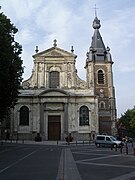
[54,101]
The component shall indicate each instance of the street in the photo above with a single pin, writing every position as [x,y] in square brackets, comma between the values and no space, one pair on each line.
[64,162]
[104,164]
[29,162]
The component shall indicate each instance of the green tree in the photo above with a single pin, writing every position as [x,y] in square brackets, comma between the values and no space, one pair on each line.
[127,122]
[11,69]
[132,121]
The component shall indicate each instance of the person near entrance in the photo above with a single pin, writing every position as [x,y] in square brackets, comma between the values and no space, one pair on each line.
[69,138]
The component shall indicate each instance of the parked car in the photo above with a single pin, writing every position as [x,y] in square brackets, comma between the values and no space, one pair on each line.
[106,140]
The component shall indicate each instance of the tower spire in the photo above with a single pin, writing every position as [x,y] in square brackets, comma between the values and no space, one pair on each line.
[97,50]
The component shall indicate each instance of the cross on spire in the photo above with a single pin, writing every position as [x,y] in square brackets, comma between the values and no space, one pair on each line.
[95,10]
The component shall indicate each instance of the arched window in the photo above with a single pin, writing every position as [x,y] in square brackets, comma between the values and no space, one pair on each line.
[102,105]
[24,116]
[100,77]
[84,116]
[53,79]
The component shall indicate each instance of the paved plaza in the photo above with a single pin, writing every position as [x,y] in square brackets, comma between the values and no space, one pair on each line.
[52,160]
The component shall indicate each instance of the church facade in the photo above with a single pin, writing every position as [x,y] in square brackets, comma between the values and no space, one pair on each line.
[54,101]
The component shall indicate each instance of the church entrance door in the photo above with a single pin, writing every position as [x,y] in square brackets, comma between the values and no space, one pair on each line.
[54,127]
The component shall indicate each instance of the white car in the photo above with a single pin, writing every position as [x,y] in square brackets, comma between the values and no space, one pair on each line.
[107,140]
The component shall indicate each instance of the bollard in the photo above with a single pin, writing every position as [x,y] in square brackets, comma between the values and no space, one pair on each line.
[116,148]
[134,151]
[111,147]
[126,150]
[121,149]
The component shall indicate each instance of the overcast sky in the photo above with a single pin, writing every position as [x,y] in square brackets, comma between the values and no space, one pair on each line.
[70,22]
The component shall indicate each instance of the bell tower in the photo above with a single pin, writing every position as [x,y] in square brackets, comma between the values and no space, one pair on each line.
[99,76]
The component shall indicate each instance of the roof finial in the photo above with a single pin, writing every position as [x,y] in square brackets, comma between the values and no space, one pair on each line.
[72,49]
[36,50]
[55,43]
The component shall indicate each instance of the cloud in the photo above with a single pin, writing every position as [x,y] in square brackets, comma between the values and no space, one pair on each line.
[19,9]
[25,36]
[116,31]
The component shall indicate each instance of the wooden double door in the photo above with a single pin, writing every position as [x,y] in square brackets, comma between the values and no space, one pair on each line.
[54,127]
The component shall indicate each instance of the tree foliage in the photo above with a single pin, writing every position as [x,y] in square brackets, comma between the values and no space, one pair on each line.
[11,69]
[127,122]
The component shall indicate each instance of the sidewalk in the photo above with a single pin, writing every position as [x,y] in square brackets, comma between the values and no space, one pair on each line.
[47,142]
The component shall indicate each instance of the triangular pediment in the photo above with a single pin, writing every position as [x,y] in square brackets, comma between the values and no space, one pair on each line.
[54,93]
[54,52]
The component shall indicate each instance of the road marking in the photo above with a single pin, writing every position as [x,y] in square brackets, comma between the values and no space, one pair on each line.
[16,162]
[60,174]
[102,164]
[89,153]
[67,167]
[98,158]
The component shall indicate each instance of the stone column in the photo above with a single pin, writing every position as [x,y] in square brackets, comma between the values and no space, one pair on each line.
[65,118]
[42,118]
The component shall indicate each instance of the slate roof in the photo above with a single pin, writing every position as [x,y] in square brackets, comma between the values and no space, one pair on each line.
[97,44]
